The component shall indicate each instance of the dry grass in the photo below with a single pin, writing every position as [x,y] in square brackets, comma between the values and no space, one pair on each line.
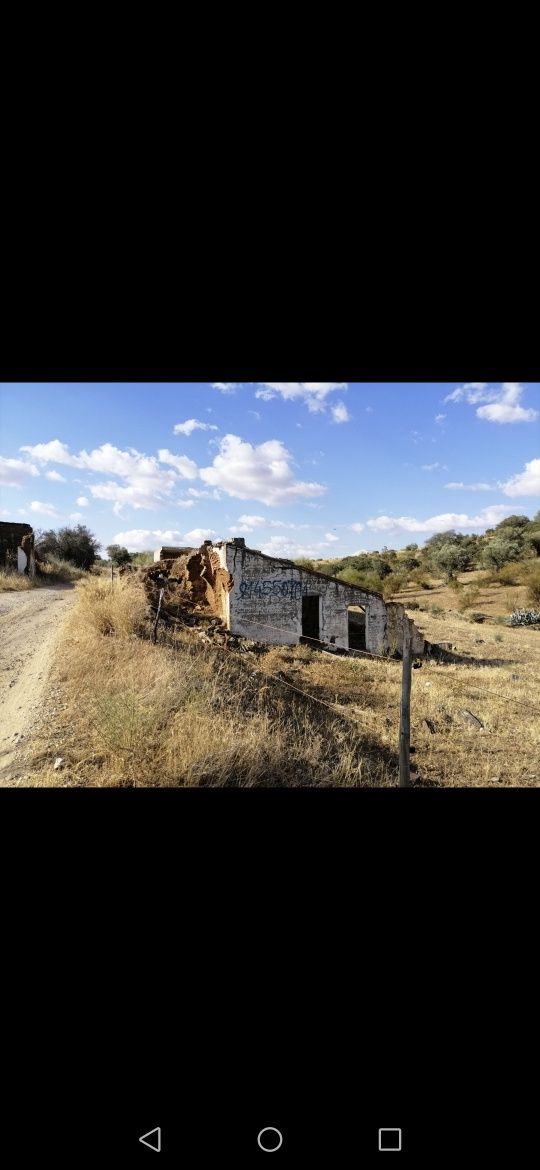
[496,680]
[491,597]
[50,572]
[56,569]
[11,582]
[184,714]
[495,677]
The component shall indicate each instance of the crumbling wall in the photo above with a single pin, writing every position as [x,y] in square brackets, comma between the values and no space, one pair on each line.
[17,547]
[193,583]
[396,618]
[260,598]
[266,600]
[266,603]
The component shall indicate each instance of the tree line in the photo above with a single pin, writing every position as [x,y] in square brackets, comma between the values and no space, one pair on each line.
[517,538]
[80,548]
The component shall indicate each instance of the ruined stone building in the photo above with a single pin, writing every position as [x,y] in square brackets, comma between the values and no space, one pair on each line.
[269,599]
[168,553]
[17,547]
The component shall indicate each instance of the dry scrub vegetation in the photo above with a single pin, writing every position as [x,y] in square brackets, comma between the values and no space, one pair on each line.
[50,572]
[185,714]
[11,582]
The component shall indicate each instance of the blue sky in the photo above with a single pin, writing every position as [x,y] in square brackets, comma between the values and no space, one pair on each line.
[318,469]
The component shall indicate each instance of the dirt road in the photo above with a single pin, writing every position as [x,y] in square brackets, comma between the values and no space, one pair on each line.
[30,624]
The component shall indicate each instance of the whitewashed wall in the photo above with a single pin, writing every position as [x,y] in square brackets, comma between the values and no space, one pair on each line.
[266,603]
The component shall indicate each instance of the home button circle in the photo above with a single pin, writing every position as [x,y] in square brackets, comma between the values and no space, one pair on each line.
[270,1139]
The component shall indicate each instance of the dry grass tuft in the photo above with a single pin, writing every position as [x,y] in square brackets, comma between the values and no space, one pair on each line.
[11,581]
[185,714]
[49,572]
[56,569]
[112,608]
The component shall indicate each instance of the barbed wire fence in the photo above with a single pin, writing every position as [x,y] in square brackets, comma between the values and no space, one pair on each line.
[404,733]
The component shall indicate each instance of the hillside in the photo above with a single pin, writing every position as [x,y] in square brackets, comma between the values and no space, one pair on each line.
[184,712]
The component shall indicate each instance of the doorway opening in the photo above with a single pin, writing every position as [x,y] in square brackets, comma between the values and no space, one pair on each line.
[310,616]
[357,627]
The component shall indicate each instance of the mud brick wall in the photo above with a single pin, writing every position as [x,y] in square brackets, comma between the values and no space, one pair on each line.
[17,547]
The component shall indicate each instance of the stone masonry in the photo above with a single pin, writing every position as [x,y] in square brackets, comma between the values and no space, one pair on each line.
[266,603]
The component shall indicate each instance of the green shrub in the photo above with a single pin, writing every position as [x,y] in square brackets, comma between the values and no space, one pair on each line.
[509,574]
[394,583]
[468,597]
[77,545]
[533,585]
[57,569]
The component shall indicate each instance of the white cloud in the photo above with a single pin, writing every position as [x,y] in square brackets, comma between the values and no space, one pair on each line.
[15,472]
[55,476]
[472,392]
[525,483]
[149,492]
[75,515]
[313,394]
[255,413]
[261,472]
[204,494]
[185,503]
[262,522]
[82,501]
[280,546]
[185,467]
[439,418]
[486,518]
[197,535]
[138,539]
[226,387]
[43,509]
[502,406]
[329,536]
[53,452]
[507,409]
[434,466]
[192,424]
[146,484]
[340,414]
[357,527]
[471,487]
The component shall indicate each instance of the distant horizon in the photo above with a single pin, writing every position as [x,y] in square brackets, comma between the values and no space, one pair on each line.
[316,470]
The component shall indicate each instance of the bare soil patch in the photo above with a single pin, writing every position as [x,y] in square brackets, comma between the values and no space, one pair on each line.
[30,630]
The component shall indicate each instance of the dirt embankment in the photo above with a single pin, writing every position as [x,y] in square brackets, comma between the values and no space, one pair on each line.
[30,625]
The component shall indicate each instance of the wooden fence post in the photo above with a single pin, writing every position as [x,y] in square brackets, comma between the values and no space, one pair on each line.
[112,571]
[405,710]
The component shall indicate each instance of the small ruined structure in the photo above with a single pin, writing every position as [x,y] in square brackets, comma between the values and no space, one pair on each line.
[168,553]
[17,548]
[269,599]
